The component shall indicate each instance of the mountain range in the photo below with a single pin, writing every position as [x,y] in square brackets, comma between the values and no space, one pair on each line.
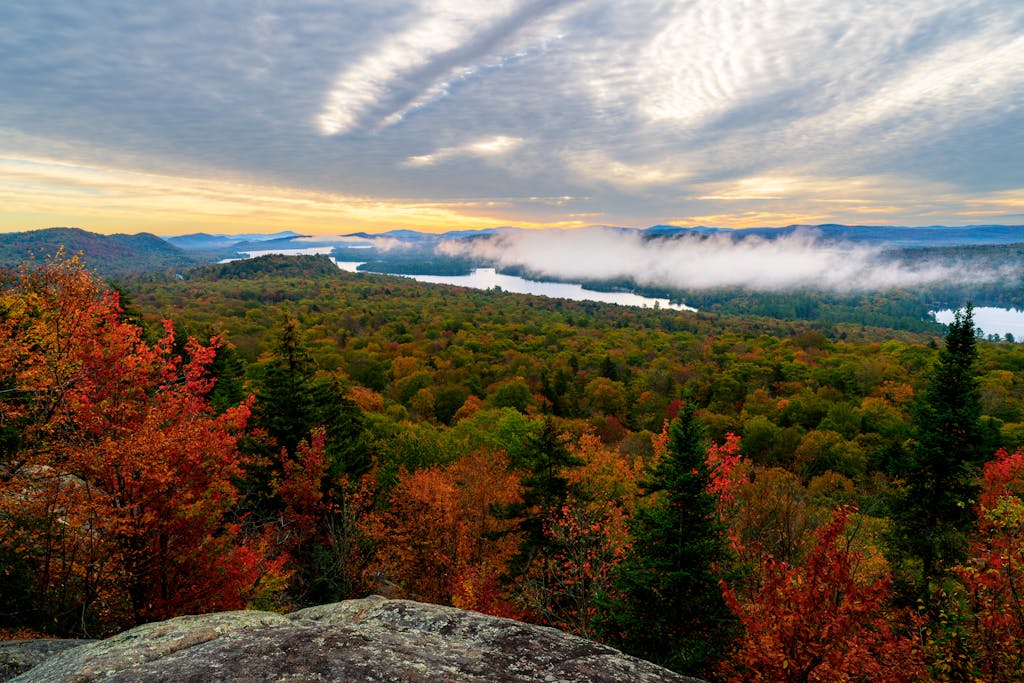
[130,253]
[881,235]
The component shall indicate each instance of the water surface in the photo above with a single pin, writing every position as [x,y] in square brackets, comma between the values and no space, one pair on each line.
[489,278]
[991,320]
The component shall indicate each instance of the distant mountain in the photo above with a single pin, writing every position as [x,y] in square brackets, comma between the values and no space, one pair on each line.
[201,241]
[121,254]
[882,235]
[416,236]
[106,254]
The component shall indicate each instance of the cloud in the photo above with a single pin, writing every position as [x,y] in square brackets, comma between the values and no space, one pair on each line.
[416,66]
[485,147]
[68,193]
[798,261]
[596,166]
[646,111]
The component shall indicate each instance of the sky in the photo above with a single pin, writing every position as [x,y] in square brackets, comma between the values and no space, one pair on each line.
[337,116]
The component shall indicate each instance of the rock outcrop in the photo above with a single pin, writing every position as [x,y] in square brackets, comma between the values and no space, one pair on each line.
[18,656]
[373,639]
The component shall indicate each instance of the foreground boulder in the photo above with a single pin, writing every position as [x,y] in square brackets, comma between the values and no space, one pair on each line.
[373,639]
[18,656]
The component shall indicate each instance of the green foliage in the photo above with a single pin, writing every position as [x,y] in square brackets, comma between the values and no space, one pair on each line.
[311,267]
[512,394]
[504,429]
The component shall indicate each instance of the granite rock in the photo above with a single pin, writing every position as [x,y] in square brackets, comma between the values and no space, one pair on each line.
[372,639]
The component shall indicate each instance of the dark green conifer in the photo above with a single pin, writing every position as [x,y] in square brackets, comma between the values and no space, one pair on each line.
[545,489]
[935,510]
[668,606]
[292,400]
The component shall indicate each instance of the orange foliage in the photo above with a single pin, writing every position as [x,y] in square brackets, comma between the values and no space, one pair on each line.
[899,393]
[368,400]
[469,408]
[591,540]
[439,538]
[605,475]
[300,488]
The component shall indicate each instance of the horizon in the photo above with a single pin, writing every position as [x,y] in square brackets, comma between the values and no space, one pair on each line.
[467,115]
[288,233]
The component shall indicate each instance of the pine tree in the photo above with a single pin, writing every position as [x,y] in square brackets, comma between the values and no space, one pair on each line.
[935,511]
[668,606]
[284,403]
[310,418]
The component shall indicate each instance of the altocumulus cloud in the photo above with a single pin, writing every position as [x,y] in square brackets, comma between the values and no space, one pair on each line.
[797,261]
[634,107]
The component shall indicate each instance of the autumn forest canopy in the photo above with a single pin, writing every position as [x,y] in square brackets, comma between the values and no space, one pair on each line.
[740,497]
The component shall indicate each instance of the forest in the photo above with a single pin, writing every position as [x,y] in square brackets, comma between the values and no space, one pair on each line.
[735,497]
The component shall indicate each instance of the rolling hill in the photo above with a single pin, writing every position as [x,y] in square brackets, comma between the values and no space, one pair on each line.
[106,254]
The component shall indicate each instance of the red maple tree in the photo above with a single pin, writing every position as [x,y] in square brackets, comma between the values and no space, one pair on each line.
[994,576]
[815,622]
[121,458]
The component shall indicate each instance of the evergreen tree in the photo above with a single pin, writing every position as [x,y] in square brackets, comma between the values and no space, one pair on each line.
[284,402]
[292,400]
[228,368]
[545,489]
[935,510]
[347,447]
[668,606]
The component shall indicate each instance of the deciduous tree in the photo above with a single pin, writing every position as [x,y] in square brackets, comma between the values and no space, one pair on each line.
[124,449]
[994,574]
[815,622]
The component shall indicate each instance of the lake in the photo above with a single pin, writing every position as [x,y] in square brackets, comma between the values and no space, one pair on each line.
[991,320]
[489,278]
[988,319]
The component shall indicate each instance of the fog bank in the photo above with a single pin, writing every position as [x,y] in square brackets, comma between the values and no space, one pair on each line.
[798,261]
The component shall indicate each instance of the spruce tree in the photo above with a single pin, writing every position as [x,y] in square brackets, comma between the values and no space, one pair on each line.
[668,606]
[935,511]
[284,404]
[545,490]
[292,400]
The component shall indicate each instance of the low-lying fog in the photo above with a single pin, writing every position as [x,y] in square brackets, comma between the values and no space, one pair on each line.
[798,261]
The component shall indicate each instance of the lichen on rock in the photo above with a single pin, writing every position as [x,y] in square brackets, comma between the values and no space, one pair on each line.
[372,639]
